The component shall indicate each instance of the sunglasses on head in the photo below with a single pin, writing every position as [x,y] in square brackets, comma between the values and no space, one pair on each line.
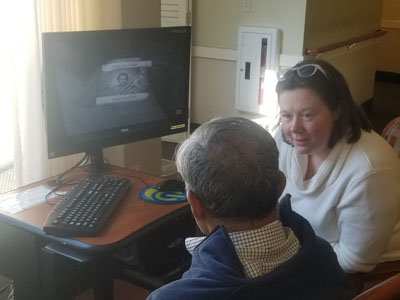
[303,71]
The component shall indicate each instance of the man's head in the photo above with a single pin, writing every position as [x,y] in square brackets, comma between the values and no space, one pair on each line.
[230,166]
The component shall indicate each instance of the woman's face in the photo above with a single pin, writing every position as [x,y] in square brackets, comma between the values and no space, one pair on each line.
[306,121]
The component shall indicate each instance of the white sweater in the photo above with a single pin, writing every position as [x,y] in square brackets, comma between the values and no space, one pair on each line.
[353,201]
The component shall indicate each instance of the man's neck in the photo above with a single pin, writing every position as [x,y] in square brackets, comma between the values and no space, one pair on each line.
[234,226]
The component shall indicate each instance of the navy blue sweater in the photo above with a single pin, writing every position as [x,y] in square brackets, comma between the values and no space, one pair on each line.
[216,271]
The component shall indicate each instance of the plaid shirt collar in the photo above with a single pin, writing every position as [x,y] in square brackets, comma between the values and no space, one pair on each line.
[260,250]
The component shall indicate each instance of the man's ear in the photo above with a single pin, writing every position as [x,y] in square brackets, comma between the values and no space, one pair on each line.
[204,222]
[282,182]
[197,208]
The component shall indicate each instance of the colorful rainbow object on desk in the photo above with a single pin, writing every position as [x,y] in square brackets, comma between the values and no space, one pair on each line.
[152,195]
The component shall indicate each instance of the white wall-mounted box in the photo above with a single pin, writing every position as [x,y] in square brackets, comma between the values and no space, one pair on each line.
[257,66]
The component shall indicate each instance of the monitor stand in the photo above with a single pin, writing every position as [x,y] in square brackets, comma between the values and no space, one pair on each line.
[97,163]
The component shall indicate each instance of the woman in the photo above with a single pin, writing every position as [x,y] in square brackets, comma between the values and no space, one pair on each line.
[343,177]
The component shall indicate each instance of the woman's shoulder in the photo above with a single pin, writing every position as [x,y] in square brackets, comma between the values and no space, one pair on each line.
[375,151]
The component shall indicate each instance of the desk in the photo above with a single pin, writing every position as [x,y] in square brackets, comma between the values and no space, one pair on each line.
[49,267]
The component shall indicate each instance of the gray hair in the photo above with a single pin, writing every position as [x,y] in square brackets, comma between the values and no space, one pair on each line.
[231,165]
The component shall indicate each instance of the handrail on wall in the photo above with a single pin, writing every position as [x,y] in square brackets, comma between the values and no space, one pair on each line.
[350,43]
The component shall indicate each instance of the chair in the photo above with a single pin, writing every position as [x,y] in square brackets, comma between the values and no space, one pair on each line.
[383,271]
[391,133]
[386,290]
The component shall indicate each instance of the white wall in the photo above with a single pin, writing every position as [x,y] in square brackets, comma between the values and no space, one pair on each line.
[215,23]
[304,23]
[330,22]
[215,33]
[389,58]
[141,13]
[142,156]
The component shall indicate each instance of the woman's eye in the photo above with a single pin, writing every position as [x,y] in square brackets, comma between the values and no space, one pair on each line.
[285,116]
[307,115]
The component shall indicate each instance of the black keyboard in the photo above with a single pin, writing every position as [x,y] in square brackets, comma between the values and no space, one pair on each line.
[85,209]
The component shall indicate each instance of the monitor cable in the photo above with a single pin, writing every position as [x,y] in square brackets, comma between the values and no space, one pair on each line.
[57,182]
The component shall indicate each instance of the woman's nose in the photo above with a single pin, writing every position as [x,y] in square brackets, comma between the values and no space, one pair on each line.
[296,125]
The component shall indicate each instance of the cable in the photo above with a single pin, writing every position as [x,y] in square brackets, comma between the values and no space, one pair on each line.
[53,191]
[57,182]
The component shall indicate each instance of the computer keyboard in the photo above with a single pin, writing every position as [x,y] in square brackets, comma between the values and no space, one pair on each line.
[85,209]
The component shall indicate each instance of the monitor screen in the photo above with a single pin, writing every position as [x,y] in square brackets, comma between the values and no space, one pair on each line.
[112,87]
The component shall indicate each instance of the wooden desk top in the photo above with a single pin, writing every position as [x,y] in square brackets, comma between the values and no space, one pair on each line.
[130,216]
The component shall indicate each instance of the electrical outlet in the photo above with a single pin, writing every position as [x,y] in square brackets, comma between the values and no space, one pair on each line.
[246,5]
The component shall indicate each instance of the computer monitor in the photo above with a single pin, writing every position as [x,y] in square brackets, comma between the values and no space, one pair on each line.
[112,87]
